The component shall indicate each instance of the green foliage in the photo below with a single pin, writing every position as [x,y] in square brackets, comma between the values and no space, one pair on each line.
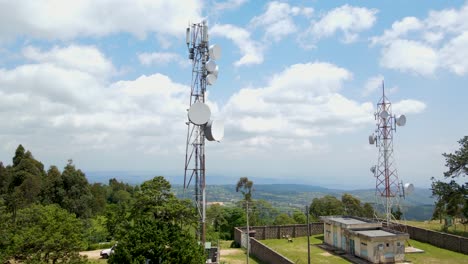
[457,163]
[264,213]
[351,205]
[95,230]
[158,228]
[367,210]
[452,197]
[397,213]
[24,180]
[284,219]
[78,197]
[52,187]
[42,234]
[299,217]
[245,187]
[327,205]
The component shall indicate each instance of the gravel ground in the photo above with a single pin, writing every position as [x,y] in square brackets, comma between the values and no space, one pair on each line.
[93,254]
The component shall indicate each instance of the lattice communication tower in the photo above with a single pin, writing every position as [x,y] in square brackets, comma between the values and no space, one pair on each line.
[199,124]
[388,188]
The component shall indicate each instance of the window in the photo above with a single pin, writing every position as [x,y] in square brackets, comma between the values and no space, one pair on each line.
[398,243]
[388,244]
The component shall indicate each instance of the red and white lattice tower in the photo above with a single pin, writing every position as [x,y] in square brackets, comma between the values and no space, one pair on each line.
[388,188]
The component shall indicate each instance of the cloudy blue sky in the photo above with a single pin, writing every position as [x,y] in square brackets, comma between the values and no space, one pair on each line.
[106,83]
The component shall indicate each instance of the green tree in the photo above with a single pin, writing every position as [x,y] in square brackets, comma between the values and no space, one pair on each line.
[52,187]
[158,228]
[245,187]
[299,217]
[235,217]
[99,193]
[351,205]
[25,182]
[397,213]
[265,212]
[367,210]
[452,197]
[457,162]
[284,219]
[215,216]
[42,234]
[78,197]
[327,205]
[4,179]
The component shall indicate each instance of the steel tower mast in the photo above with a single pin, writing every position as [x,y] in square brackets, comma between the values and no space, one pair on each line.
[199,126]
[388,188]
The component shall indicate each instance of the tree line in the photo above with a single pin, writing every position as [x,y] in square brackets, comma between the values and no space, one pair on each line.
[49,216]
[451,193]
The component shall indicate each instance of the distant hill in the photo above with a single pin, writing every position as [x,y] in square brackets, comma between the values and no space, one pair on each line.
[418,206]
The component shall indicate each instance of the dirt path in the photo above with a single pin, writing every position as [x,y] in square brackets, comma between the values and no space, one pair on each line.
[93,254]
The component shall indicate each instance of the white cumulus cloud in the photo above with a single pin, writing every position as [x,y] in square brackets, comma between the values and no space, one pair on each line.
[53,19]
[410,56]
[277,20]
[350,20]
[300,102]
[423,46]
[161,58]
[408,106]
[251,51]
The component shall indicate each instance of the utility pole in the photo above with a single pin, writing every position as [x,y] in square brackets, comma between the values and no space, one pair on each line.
[248,233]
[308,235]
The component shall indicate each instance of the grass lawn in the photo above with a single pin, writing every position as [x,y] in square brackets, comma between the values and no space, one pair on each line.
[234,255]
[435,225]
[435,255]
[297,252]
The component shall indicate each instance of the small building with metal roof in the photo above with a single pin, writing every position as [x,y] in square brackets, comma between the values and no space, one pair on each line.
[364,238]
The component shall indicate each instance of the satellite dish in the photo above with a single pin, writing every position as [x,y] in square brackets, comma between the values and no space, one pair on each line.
[215,52]
[372,169]
[211,66]
[199,113]
[215,72]
[384,114]
[401,120]
[409,188]
[214,130]
[371,139]
[211,79]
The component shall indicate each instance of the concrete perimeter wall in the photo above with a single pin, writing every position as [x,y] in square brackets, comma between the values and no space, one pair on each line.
[266,254]
[438,239]
[276,232]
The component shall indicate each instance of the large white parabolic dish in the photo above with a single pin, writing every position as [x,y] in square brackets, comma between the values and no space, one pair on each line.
[210,66]
[215,52]
[409,188]
[384,114]
[401,120]
[214,130]
[199,113]
[211,79]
